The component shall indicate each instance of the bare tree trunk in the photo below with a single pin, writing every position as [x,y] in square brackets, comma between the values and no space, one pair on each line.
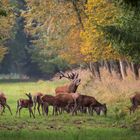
[117,69]
[129,65]
[108,67]
[123,69]
[91,68]
[135,70]
[97,70]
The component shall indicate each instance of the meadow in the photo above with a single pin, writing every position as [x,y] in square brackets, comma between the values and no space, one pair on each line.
[118,125]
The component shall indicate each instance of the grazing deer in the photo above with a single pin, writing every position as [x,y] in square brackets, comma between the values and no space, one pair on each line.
[38,102]
[72,87]
[25,103]
[47,100]
[135,100]
[65,102]
[3,103]
[84,101]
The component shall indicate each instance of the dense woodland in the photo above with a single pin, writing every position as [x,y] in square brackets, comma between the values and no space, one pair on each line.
[39,38]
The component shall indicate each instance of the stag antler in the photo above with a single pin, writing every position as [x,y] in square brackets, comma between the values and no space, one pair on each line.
[71,76]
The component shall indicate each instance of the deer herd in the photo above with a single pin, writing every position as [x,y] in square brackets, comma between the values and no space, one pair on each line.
[66,99]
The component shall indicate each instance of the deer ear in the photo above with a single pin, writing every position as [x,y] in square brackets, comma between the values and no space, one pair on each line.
[26,94]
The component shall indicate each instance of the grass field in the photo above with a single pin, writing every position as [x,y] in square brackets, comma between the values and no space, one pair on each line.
[118,125]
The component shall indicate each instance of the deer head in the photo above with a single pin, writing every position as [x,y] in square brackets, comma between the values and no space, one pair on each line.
[75,82]
[29,96]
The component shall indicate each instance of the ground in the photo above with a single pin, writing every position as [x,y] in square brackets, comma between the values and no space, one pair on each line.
[118,125]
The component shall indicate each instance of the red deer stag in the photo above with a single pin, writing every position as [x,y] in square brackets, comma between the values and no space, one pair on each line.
[25,103]
[135,100]
[72,87]
[37,101]
[84,101]
[3,103]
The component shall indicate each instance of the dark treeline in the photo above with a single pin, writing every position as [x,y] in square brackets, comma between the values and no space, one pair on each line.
[18,59]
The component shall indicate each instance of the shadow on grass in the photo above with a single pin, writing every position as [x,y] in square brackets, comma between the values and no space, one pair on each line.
[84,134]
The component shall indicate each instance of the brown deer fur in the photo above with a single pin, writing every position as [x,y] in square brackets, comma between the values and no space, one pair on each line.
[3,103]
[135,100]
[72,87]
[37,101]
[65,101]
[91,103]
[25,103]
[47,100]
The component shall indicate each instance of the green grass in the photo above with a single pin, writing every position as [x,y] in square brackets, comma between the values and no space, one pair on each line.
[118,125]
[88,134]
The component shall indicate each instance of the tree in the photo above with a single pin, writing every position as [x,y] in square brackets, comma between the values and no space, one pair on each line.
[6,24]
[54,30]
[125,34]
[94,46]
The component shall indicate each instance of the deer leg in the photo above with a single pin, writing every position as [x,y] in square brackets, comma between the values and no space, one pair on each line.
[31,112]
[19,110]
[3,110]
[60,110]
[90,110]
[74,111]
[42,107]
[8,108]
[34,107]
[55,110]
[45,108]
[1,107]
[134,108]
[38,108]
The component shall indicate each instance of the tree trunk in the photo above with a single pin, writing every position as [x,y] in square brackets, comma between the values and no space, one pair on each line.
[91,68]
[123,69]
[117,69]
[108,67]
[135,70]
[97,70]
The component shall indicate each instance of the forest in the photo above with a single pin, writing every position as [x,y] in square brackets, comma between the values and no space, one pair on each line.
[40,38]
[70,69]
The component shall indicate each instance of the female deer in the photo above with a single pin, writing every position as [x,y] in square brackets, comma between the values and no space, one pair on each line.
[3,103]
[25,103]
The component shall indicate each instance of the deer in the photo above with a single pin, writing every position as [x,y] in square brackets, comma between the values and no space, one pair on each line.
[3,103]
[72,87]
[47,100]
[37,101]
[65,102]
[135,100]
[84,101]
[25,103]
